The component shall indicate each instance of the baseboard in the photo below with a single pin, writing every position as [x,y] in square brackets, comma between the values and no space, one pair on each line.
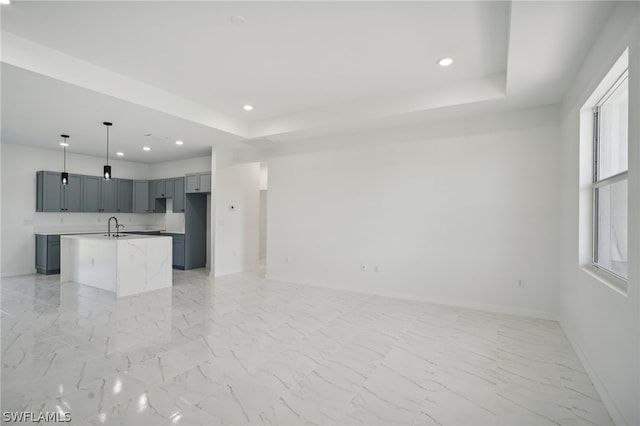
[496,309]
[248,268]
[17,274]
[608,402]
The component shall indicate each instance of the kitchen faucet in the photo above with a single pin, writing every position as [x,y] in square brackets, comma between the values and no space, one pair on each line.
[109,225]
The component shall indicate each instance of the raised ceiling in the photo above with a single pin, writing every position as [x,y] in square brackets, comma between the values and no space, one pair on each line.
[183,70]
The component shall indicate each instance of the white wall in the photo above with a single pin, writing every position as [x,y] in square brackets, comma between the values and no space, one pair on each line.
[179,168]
[264,177]
[236,232]
[455,220]
[19,218]
[603,324]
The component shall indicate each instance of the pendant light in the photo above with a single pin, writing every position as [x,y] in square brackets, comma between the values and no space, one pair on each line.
[65,175]
[107,168]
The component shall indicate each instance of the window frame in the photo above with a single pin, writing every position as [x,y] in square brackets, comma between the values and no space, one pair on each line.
[609,181]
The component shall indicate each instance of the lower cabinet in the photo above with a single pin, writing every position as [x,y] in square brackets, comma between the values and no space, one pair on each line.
[47,254]
[178,251]
[48,251]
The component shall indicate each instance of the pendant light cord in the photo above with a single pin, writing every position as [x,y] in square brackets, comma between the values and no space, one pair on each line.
[107,145]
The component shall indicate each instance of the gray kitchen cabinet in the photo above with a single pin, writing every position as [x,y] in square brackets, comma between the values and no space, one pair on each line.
[72,194]
[125,196]
[99,195]
[159,188]
[168,188]
[178,250]
[109,195]
[91,194]
[48,254]
[141,196]
[205,182]
[198,183]
[159,206]
[48,192]
[178,194]
[52,196]
[156,205]
[152,195]
[195,227]
[192,183]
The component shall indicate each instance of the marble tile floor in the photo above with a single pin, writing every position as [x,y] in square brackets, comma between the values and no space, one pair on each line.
[244,350]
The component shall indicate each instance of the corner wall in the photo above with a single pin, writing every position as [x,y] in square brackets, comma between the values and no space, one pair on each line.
[237,229]
[458,219]
[601,323]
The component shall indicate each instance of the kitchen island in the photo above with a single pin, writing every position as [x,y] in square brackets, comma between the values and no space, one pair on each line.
[126,265]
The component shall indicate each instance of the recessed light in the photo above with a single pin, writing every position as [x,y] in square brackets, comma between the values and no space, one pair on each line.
[64,144]
[238,20]
[120,154]
[146,148]
[5,1]
[179,143]
[445,62]
[248,108]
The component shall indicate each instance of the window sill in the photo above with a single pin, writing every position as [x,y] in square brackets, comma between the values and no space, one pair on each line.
[614,283]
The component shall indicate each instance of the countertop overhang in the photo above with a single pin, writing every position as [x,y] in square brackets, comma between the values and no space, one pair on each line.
[113,237]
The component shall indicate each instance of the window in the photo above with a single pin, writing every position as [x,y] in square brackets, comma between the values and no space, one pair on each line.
[610,195]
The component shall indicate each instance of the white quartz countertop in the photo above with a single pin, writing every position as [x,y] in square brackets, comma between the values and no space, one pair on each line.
[93,231]
[172,232]
[121,237]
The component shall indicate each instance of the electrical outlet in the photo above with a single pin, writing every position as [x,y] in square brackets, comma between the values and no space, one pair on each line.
[98,220]
[520,283]
[375,268]
[363,268]
[62,220]
[286,259]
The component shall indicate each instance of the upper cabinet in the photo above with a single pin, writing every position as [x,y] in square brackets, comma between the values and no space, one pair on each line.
[109,194]
[125,196]
[93,194]
[72,194]
[178,194]
[158,188]
[52,196]
[100,195]
[162,188]
[205,182]
[198,183]
[141,196]
[168,187]
[157,203]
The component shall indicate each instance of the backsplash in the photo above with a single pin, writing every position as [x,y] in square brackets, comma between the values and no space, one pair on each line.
[173,222]
[43,222]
